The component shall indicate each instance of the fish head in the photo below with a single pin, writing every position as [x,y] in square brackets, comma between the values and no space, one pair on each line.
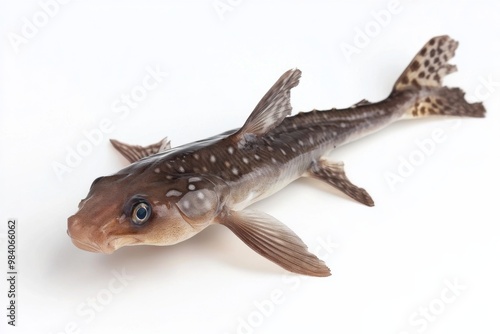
[122,210]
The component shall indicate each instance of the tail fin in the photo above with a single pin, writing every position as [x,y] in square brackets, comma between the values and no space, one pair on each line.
[447,102]
[425,74]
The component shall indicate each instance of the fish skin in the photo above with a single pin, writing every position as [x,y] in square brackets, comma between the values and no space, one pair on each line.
[212,181]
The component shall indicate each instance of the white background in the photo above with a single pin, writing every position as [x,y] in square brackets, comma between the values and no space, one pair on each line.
[390,263]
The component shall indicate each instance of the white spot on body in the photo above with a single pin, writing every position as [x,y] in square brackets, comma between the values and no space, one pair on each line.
[256,157]
[283,152]
[270,149]
[342,125]
[227,164]
[230,150]
[273,160]
[301,143]
[245,160]
[311,140]
[181,169]
[157,170]
[173,192]
[196,156]
[234,171]
[194,179]
[213,159]
[293,149]
[200,195]
[191,187]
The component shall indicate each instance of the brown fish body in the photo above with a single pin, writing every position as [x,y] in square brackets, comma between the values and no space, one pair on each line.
[169,194]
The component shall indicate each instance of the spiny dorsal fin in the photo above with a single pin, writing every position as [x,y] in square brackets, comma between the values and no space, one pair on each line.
[430,65]
[272,108]
[135,152]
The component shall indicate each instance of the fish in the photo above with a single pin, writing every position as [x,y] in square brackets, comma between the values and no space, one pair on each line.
[169,194]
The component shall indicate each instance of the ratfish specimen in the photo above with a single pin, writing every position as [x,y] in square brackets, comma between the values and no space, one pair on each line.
[167,195]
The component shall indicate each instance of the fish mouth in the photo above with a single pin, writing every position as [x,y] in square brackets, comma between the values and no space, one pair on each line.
[107,248]
[119,242]
[91,246]
[88,242]
[91,241]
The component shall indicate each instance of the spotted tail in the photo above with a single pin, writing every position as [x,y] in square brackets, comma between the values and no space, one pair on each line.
[424,75]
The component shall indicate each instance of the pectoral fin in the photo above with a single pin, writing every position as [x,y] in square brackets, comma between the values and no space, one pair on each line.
[135,152]
[333,173]
[273,240]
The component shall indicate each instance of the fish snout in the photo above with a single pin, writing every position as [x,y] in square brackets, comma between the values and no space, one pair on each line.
[77,236]
[81,237]
[74,226]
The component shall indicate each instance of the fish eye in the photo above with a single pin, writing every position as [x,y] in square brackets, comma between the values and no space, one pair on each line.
[141,213]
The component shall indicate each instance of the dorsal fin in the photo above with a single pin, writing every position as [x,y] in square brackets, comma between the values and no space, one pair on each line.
[430,65]
[271,109]
[363,102]
[134,153]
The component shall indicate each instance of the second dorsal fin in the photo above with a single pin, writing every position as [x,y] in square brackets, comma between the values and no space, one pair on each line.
[272,108]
